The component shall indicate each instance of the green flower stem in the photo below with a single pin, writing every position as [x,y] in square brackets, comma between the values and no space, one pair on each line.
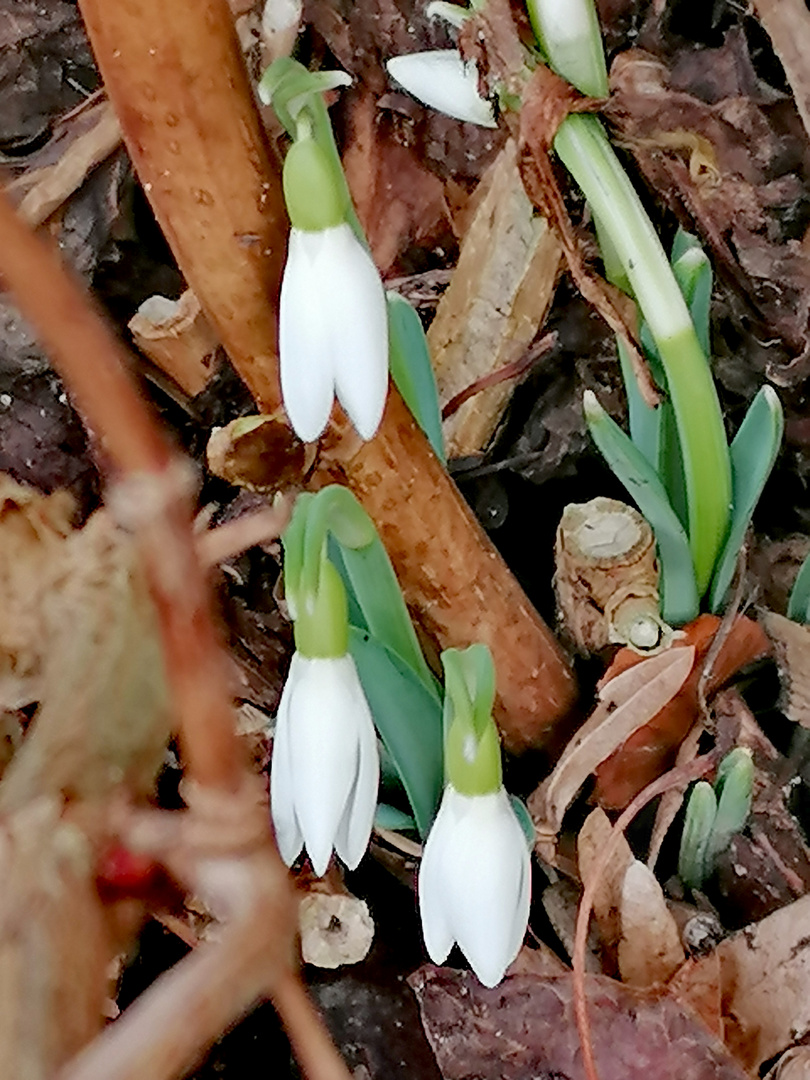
[583,147]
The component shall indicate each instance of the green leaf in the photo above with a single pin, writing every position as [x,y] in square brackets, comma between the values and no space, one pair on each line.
[679,597]
[525,819]
[693,272]
[371,578]
[411,370]
[733,787]
[409,720]
[753,453]
[799,604]
[645,422]
[391,818]
[697,831]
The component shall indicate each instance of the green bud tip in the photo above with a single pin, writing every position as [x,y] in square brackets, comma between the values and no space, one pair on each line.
[315,199]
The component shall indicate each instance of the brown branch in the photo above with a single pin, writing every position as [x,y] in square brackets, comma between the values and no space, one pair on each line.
[174,86]
[173,70]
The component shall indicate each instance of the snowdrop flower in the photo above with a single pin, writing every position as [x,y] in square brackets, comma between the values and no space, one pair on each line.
[474,882]
[333,323]
[442,80]
[325,770]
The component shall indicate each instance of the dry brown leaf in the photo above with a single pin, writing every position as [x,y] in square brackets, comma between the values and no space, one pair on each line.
[592,838]
[81,140]
[650,948]
[525,1029]
[697,985]
[497,300]
[735,202]
[625,705]
[792,646]
[764,983]
[651,750]
[787,23]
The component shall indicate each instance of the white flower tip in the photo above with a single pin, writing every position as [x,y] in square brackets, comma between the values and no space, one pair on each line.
[443,81]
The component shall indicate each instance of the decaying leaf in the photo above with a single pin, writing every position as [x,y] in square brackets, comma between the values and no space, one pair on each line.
[497,299]
[335,929]
[625,704]
[764,983]
[651,750]
[792,646]
[650,949]
[525,1029]
[787,23]
[561,902]
[726,165]
[697,985]
[607,899]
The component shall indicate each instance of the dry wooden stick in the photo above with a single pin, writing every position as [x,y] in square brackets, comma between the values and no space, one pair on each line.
[174,86]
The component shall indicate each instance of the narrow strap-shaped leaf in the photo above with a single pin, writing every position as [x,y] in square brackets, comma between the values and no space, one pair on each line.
[679,597]
[645,422]
[409,720]
[411,370]
[753,453]
[371,578]
[799,603]
[693,272]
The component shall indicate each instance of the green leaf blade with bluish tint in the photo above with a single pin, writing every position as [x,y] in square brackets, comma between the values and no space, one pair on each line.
[412,371]
[679,596]
[409,720]
[753,453]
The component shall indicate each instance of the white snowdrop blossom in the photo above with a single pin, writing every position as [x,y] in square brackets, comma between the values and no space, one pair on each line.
[333,332]
[325,769]
[474,883]
[442,80]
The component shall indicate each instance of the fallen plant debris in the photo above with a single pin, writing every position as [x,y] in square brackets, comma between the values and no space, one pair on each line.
[208,625]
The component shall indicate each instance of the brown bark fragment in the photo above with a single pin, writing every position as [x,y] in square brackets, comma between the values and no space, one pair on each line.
[175,74]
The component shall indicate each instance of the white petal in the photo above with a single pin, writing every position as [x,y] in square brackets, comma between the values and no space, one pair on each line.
[325,753]
[282,796]
[358,320]
[443,81]
[432,888]
[354,830]
[304,341]
[487,881]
